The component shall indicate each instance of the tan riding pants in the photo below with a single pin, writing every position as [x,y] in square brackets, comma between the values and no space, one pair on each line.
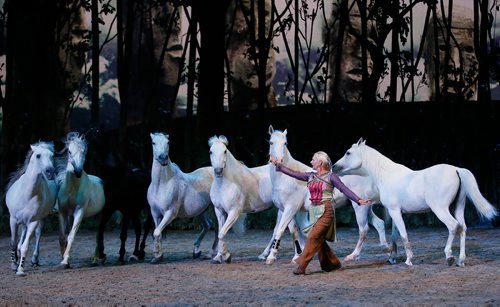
[316,243]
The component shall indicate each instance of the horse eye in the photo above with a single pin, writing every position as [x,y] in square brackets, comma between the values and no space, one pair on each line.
[154,143]
[38,156]
[225,151]
[347,153]
[210,152]
[286,143]
[271,143]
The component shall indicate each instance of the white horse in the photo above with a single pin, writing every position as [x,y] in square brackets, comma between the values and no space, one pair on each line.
[80,195]
[404,190]
[290,195]
[237,190]
[174,194]
[31,195]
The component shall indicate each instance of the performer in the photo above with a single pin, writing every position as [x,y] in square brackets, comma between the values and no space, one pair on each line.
[320,183]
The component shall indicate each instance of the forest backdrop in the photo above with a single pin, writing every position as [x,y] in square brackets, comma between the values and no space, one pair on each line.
[418,79]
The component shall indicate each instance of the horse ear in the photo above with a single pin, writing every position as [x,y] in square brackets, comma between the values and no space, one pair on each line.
[360,141]
[151,135]
[224,140]
[211,140]
[271,129]
[32,148]
[284,132]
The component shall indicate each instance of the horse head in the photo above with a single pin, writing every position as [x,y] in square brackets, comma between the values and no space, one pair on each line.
[161,147]
[277,144]
[77,150]
[42,159]
[352,162]
[218,154]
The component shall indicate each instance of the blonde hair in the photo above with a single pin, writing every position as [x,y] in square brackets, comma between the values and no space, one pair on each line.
[324,159]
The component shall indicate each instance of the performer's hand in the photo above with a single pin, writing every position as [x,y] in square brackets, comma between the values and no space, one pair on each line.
[365,201]
[273,160]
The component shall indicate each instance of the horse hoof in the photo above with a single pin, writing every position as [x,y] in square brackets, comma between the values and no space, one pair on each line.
[21,274]
[13,266]
[196,255]
[392,260]
[217,259]
[450,261]
[270,261]
[351,258]
[133,258]
[263,256]
[228,260]
[65,266]
[121,262]
[35,264]
[141,255]
[156,260]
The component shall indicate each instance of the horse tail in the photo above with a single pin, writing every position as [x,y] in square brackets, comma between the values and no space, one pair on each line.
[469,184]
[239,226]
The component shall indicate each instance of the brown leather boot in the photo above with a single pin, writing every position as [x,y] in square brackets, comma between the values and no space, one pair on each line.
[300,270]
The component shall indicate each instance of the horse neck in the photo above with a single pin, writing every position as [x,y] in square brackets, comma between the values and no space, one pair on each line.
[32,178]
[377,165]
[160,173]
[290,162]
[234,169]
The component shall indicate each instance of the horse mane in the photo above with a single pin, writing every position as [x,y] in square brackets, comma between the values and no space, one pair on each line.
[377,160]
[15,175]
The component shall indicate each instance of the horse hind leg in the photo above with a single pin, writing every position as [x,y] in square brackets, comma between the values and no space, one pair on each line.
[393,252]
[123,238]
[444,215]
[459,216]
[206,223]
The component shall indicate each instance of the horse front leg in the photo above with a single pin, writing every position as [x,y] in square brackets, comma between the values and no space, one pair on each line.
[206,223]
[13,243]
[157,233]
[286,220]
[362,220]
[78,217]
[379,225]
[36,251]
[267,250]
[223,255]
[63,242]
[397,219]
[24,247]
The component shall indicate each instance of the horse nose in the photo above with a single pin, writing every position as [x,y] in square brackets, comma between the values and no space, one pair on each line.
[50,173]
[78,172]
[163,159]
[218,171]
[336,168]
